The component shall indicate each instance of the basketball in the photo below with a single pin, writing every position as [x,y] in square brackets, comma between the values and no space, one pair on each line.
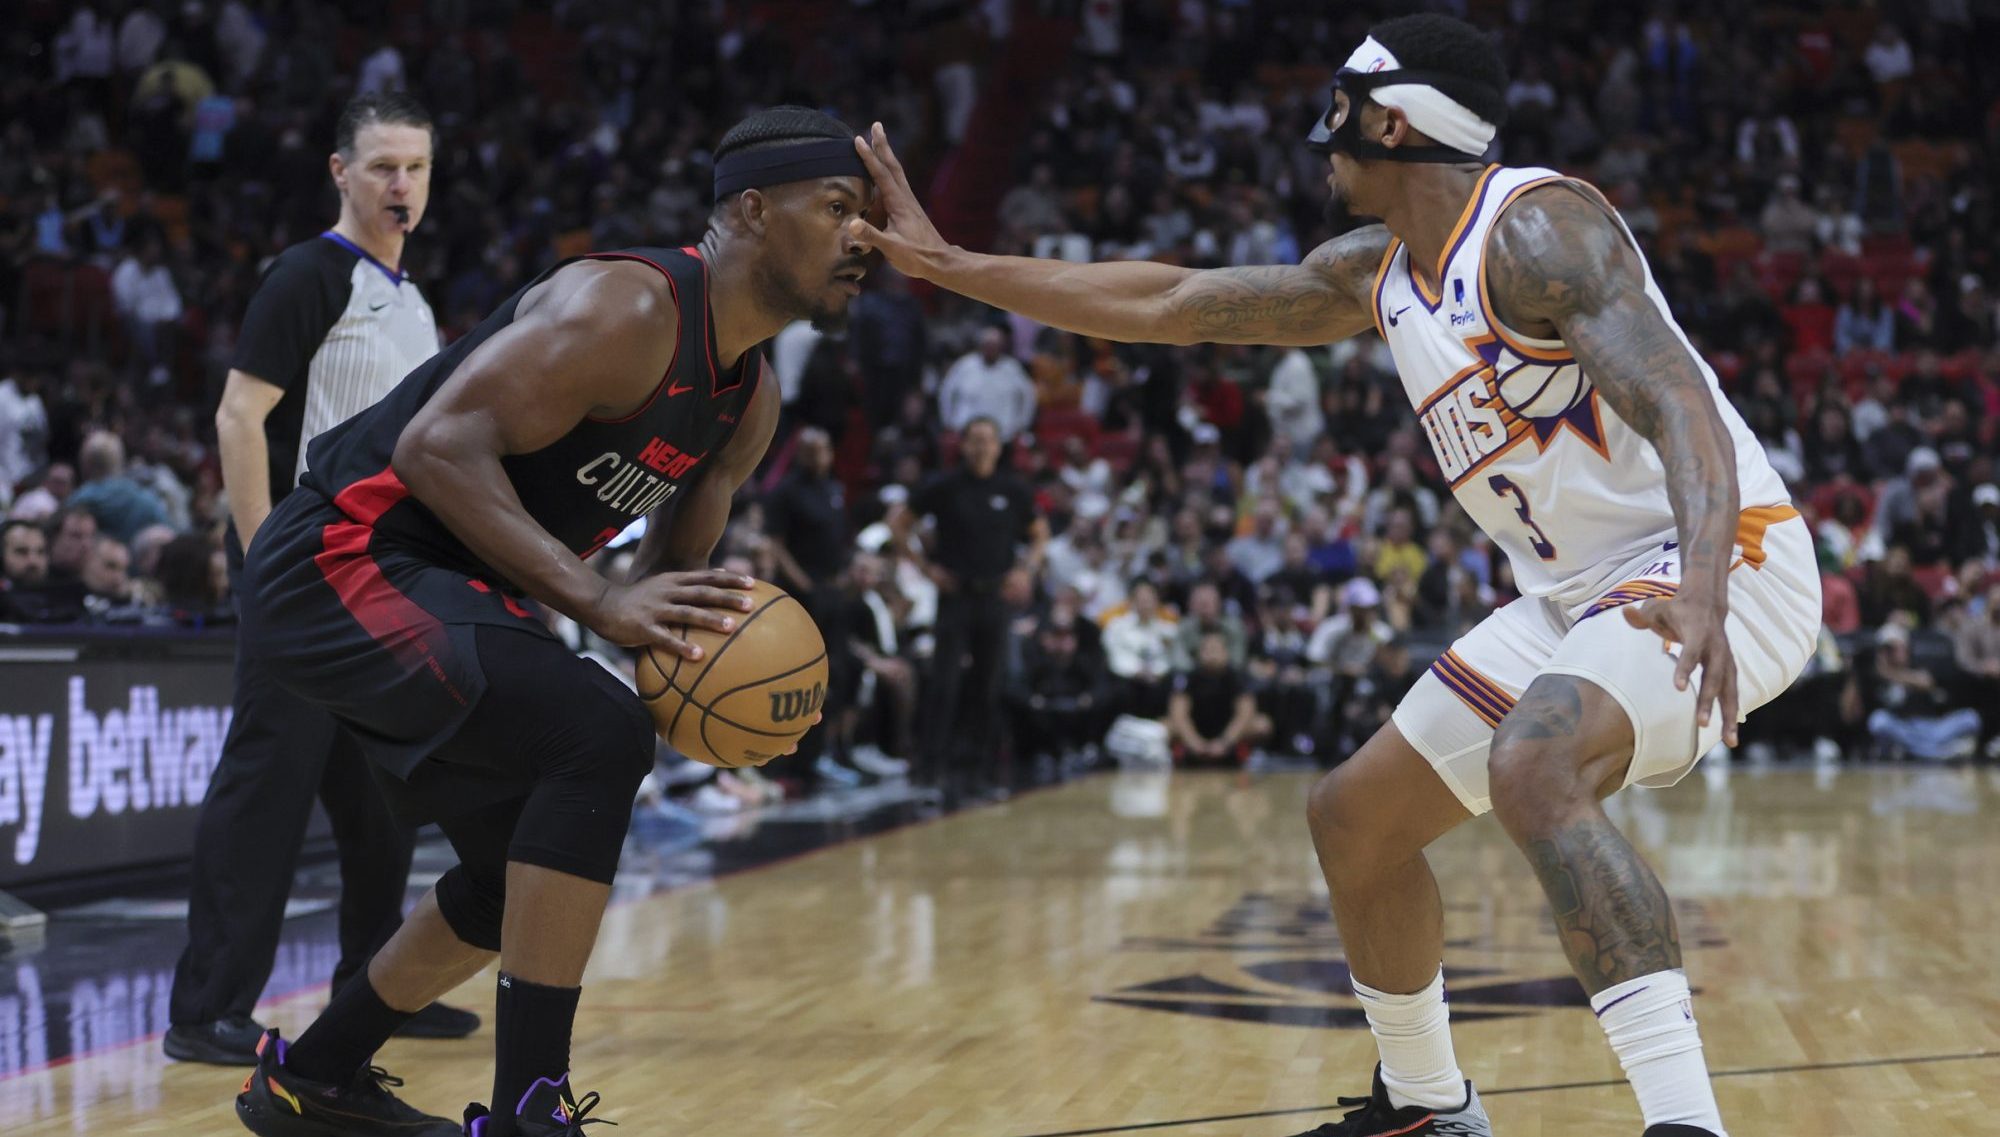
[753,692]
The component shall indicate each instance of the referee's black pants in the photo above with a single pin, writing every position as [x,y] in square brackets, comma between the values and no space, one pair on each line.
[281,753]
[969,668]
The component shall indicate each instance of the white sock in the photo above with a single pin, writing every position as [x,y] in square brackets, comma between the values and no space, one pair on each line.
[1650,1024]
[1413,1033]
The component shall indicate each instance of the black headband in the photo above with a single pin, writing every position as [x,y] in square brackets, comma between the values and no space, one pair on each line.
[792,162]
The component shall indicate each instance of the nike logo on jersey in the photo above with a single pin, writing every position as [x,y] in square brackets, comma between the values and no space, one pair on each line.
[378,307]
[1393,316]
[676,389]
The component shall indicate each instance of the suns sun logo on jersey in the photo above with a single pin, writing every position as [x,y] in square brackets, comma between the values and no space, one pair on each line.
[1502,400]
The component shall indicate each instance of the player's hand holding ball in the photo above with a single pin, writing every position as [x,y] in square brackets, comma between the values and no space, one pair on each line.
[738,673]
[658,610]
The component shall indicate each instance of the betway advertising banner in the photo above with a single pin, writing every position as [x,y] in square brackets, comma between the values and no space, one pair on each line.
[103,764]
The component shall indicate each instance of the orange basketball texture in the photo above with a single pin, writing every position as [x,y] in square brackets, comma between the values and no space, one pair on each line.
[751,695]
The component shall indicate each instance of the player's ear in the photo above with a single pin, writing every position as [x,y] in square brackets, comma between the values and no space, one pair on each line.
[337,166]
[1395,127]
[753,208]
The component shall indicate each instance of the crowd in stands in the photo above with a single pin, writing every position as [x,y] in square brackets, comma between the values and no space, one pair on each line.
[1248,545]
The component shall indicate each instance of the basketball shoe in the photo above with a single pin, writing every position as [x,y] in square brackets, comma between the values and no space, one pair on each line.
[548,1109]
[1377,1117]
[278,1103]
[1676,1130]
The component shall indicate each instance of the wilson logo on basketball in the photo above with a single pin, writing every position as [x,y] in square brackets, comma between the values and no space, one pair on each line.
[793,705]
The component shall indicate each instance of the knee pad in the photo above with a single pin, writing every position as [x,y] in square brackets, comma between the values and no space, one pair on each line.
[474,903]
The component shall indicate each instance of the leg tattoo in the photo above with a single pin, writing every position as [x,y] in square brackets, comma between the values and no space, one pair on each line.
[1614,918]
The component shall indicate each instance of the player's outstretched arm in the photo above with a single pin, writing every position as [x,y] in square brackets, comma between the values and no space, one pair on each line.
[595,339]
[1557,259]
[1327,297]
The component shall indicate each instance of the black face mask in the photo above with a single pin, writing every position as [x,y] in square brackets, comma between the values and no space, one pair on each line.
[1358,85]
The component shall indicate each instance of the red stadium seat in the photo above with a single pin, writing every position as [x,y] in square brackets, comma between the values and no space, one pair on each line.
[1931,578]
[1054,426]
[1117,449]
[1805,372]
[1958,368]
[1879,244]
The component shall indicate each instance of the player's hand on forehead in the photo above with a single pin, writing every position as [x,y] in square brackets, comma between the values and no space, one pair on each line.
[907,237]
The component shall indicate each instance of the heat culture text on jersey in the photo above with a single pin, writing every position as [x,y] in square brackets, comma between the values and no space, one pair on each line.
[638,485]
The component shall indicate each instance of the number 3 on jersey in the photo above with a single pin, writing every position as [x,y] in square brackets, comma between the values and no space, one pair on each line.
[1503,486]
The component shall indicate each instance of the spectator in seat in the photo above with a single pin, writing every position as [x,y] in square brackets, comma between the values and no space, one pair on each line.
[1898,507]
[1142,650]
[27,594]
[1212,716]
[72,532]
[150,304]
[47,496]
[1929,529]
[1809,318]
[1916,315]
[1910,714]
[1205,617]
[1840,605]
[1399,550]
[1978,539]
[110,591]
[1788,221]
[1888,587]
[1345,641]
[1260,552]
[1863,322]
[189,587]
[1058,696]
[1372,697]
[121,506]
[1976,649]
[878,678]
[1034,207]
[1297,574]
[887,340]
[988,383]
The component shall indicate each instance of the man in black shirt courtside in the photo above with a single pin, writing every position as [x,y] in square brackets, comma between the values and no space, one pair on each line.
[980,514]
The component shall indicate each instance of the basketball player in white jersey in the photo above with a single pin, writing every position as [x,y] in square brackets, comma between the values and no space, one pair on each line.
[1668,583]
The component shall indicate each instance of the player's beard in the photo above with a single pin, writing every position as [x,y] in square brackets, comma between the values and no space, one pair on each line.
[1339,214]
[784,293]
[830,320]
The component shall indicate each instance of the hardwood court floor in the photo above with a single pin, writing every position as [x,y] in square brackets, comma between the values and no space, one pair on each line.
[1150,955]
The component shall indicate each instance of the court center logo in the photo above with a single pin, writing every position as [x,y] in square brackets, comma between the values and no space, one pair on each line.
[1296,975]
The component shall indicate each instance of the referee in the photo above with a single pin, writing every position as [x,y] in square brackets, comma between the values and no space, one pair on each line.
[334,325]
[979,515]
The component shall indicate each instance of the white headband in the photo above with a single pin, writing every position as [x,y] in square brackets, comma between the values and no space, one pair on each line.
[1444,119]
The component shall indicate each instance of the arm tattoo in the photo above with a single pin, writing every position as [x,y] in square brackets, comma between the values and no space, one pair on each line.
[1614,919]
[1559,261]
[1330,296]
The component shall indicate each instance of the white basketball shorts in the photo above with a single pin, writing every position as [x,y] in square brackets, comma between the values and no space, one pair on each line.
[1773,624]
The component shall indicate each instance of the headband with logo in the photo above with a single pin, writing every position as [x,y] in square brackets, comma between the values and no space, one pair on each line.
[792,162]
[1424,96]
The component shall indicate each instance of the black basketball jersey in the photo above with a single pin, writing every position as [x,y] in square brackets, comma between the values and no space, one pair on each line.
[587,486]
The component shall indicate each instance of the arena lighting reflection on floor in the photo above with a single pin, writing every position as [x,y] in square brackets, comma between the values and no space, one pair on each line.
[101,978]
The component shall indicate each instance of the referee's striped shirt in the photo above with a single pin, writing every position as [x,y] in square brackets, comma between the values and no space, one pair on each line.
[336,329]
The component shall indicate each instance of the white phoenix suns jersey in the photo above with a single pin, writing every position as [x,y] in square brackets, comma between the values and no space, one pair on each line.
[1540,461]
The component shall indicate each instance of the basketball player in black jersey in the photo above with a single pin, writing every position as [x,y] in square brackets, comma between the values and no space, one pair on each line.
[389,590]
